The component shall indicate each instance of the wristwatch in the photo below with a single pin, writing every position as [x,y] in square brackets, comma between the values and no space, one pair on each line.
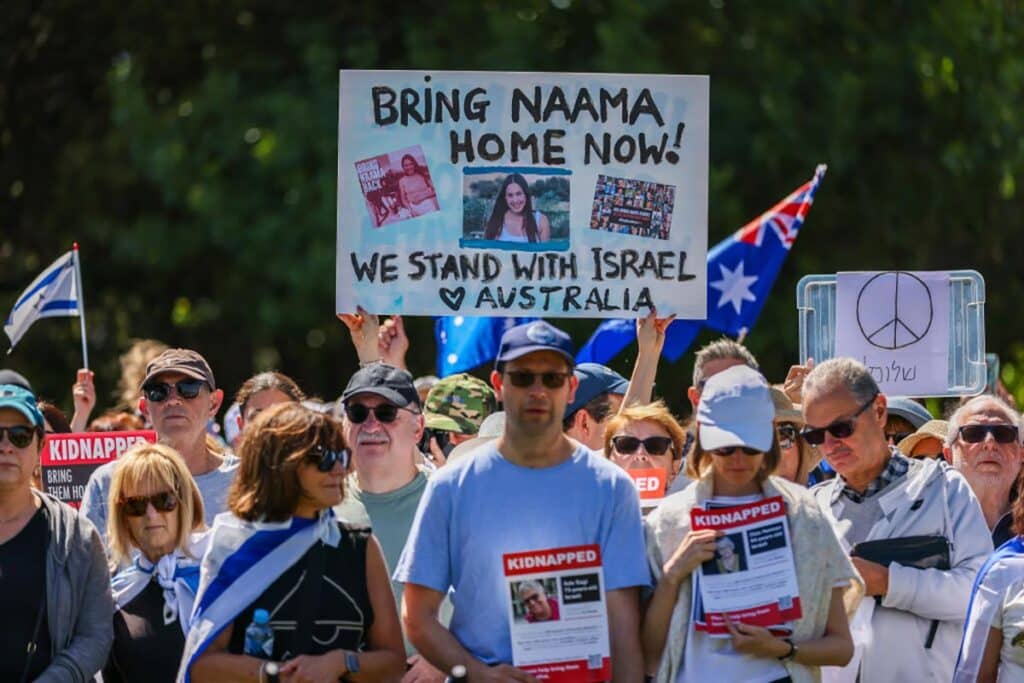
[351,663]
[792,650]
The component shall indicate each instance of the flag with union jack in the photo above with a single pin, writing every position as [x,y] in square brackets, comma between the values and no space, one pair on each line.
[741,272]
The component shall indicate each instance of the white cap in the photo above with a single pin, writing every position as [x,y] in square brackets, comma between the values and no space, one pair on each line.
[736,409]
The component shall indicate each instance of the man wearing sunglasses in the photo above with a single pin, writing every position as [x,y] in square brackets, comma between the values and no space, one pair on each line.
[54,585]
[532,489]
[878,495]
[984,445]
[179,396]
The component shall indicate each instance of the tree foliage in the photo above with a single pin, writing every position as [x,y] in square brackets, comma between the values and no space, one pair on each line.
[191,148]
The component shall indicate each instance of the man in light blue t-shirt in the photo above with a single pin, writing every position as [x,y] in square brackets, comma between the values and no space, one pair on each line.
[534,488]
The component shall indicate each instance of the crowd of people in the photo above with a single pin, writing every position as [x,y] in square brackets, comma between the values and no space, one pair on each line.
[363,539]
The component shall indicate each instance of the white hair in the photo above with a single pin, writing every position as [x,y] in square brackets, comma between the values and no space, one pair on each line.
[956,420]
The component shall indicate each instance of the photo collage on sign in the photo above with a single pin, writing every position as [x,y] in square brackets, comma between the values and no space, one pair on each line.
[632,207]
[397,186]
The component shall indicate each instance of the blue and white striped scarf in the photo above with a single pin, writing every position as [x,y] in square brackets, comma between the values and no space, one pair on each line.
[243,560]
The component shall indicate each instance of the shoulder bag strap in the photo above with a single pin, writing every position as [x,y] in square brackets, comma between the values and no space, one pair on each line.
[309,599]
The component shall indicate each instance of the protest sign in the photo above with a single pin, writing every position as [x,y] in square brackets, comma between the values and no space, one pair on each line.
[67,460]
[557,614]
[518,194]
[752,577]
[897,324]
[650,484]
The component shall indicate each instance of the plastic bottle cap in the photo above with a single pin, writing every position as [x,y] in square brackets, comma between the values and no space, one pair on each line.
[459,671]
[260,616]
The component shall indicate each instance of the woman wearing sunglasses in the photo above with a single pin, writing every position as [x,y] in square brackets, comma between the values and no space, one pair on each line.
[155,529]
[645,436]
[323,584]
[54,586]
[798,457]
[732,460]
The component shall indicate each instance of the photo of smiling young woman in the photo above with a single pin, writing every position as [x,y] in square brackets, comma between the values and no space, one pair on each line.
[513,218]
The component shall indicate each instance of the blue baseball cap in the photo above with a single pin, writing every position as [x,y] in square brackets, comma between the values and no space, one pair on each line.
[595,379]
[736,409]
[21,399]
[536,336]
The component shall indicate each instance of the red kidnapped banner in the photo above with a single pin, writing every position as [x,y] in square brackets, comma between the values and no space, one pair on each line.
[555,559]
[68,460]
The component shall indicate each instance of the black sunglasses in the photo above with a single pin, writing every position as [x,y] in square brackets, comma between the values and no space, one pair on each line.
[386,413]
[325,458]
[840,429]
[443,438]
[158,392]
[525,378]
[977,433]
[654,445]
[787,434]
[896,437]
[136,506]
[20,436]
[729,450]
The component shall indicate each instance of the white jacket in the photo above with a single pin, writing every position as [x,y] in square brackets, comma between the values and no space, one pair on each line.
[931,499]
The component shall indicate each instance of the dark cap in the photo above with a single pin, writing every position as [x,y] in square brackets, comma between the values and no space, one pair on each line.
[380,379]
[15,378]
[536,336]
[595,379]
[185,361]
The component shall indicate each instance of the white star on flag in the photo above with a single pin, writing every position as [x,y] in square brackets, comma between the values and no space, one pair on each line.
[734,286]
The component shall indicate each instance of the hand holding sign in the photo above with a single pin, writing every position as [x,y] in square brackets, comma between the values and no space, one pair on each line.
[697,548]
[365,331]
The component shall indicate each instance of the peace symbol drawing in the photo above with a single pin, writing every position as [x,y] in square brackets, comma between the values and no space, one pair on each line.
[894,310]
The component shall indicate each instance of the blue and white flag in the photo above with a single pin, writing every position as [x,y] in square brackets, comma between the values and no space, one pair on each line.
[741,271]
[465,342]
[53,294]
[242,561]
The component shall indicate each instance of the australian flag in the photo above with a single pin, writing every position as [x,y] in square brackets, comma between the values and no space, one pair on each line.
[741,271]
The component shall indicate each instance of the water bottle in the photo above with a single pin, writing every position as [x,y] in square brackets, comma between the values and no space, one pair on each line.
[259,636]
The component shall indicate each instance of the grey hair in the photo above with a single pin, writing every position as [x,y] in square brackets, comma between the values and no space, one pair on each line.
[847,373]
[956,420]
[721,349]
[530,584]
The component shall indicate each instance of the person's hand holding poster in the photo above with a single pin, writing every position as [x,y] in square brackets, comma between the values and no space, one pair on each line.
[557,614]
[752,577]
[581,195]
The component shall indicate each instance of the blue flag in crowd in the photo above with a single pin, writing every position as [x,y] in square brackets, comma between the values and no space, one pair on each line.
[741,271]
[53,294]
[464,342]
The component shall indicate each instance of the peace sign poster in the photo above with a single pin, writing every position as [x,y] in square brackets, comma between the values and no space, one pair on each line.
[897,324]
[564,195]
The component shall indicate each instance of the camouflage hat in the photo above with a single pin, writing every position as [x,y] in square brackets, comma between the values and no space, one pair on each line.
[459,403]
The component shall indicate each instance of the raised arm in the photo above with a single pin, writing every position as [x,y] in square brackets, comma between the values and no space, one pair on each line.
[650,339]
[364,329]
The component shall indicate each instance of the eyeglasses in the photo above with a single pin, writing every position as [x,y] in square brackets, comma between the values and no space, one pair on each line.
[136,506]
[385,413]
[533,597]
[654,445]
[840,429]
[977,433]
[158,392]
[525,378]
[325,458]
[896,437]
[729,450]
[20,436]
[787,434]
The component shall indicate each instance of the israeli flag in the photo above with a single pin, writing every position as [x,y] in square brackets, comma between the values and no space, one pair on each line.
[53,294]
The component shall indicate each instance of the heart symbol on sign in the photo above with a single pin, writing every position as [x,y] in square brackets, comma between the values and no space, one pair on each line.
[453,297]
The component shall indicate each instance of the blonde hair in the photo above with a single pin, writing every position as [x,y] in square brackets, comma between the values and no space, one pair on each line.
[656,412]
[133,369]
[157,466]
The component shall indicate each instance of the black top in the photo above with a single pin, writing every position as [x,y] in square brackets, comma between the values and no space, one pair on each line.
[22,593]
[344,616]
[145,648]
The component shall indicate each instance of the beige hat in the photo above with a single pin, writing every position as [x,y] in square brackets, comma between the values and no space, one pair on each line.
[785,409]
[932,429]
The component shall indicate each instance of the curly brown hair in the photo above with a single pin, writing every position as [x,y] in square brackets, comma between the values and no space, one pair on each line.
[272,449]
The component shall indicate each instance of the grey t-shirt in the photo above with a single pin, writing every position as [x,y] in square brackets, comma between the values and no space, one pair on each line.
[213,486]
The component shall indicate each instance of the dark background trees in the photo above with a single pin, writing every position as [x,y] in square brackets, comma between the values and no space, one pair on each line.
[190,148]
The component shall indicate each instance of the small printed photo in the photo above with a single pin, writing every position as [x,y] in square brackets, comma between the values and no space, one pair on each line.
[535,600]
[729,556]
[523,209]
[633,207]
[397,186]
